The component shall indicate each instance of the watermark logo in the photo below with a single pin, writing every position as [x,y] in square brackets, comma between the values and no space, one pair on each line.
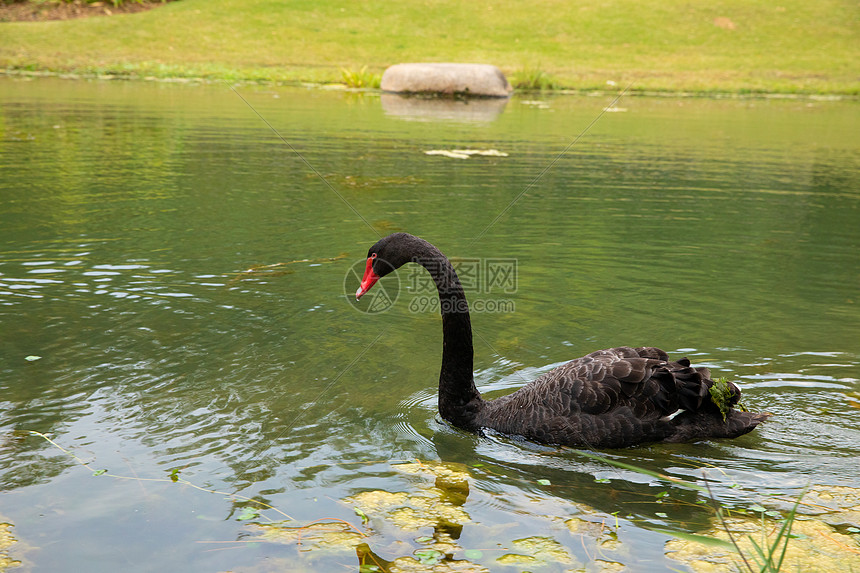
[429,303]
[378,299]
[484,281]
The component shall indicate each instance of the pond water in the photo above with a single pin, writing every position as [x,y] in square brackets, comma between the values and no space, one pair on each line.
[173,311]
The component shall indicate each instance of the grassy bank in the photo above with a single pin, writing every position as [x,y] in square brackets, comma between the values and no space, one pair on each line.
[737,46]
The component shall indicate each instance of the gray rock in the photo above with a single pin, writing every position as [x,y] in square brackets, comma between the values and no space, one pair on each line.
[462,79]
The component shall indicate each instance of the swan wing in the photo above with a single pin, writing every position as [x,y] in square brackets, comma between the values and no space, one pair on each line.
[640,379]
[609,398]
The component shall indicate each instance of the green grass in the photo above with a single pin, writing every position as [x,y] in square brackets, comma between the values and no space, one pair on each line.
[533,79]
[792,46]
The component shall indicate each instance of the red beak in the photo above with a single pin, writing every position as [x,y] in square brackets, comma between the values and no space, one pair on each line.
[368,280]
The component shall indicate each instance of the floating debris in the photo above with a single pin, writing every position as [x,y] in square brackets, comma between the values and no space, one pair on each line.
[466,153]
[409,512]
[433,505]
[418,530]
[516,559]
[535,103]
[410,564]
[538,550]
[329,535]
[451,473]
[277,269]
[363,182]
[834,505]
[6,541]
[604,536]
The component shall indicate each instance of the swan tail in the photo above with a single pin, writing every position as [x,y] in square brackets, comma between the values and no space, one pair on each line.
[691,385]
[709,406]
[704,425]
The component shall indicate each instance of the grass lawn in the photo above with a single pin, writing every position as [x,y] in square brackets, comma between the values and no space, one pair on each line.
[736,46]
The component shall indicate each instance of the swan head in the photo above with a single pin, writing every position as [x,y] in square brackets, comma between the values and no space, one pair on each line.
[387,255]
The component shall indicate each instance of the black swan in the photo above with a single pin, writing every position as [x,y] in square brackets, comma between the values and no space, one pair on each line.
[608,399]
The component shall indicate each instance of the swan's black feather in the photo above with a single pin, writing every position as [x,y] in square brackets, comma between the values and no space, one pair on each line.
[614,398]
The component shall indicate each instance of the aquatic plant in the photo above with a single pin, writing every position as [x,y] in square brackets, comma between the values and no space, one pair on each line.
[770,542]
[766,555]
[360,79]
[534,79]
[428,518]
[721,395]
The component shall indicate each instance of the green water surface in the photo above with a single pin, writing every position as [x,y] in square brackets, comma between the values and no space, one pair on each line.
[183,275]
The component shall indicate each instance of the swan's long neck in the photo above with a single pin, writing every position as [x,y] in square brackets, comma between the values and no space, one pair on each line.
[459,400]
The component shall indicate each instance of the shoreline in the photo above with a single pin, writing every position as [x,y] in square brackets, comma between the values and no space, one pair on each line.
[110,76]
